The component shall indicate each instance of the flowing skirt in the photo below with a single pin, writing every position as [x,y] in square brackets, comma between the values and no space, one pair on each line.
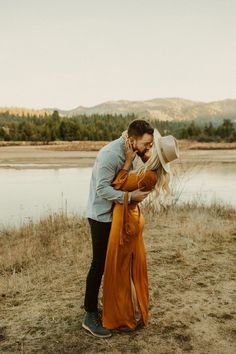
[125,280]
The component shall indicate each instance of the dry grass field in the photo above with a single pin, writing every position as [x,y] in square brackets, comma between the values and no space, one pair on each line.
[191,262]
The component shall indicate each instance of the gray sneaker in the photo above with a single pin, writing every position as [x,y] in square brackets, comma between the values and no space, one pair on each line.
[92,323]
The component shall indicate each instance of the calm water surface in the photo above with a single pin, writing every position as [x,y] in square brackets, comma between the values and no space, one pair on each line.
[34,193]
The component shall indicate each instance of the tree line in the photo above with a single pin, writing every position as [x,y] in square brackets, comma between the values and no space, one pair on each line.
[51,127]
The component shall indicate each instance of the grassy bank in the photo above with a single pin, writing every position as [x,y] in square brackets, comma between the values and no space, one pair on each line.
[190,253]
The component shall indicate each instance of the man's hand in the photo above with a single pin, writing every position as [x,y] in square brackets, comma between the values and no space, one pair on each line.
[138,195]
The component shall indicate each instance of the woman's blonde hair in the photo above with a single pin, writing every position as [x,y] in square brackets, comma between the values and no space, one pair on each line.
[161,195]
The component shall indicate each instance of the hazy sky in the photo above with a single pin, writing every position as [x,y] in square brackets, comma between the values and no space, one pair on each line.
[65,53]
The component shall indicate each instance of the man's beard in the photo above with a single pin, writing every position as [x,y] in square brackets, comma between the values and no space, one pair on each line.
[141,154]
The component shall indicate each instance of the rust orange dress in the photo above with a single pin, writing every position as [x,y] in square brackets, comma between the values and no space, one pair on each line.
[125,279]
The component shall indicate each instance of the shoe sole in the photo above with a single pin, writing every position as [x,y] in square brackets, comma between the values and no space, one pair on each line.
[95,334]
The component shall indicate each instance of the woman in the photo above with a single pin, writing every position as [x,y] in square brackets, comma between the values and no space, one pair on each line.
[125,280]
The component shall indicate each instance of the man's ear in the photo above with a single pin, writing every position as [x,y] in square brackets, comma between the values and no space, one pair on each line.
[131,139]
[132,142]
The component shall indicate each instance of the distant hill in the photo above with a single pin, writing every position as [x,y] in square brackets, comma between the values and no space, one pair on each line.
[170,109]
[24,111]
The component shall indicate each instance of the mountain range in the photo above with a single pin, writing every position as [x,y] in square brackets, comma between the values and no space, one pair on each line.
[170,109]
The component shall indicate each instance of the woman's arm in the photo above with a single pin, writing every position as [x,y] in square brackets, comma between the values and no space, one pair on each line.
[123,173]
[121,177]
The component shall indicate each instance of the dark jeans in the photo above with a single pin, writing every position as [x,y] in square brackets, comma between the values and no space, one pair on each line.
[100,233]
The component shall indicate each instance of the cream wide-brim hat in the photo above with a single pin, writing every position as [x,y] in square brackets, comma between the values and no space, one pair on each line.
[167,149]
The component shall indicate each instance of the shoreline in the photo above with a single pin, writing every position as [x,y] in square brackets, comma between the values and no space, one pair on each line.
[90,145]
[32,156]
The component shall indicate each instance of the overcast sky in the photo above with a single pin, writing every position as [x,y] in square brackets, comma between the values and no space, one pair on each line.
[66,53]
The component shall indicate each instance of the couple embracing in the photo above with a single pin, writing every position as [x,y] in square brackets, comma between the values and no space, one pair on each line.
[125,171]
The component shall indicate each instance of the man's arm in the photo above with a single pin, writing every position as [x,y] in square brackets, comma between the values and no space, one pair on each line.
[106,171]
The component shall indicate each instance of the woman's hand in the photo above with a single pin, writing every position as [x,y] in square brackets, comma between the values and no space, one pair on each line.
[129,151]
[129,155]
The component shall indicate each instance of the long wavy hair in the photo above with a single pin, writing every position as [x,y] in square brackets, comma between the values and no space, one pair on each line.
[161,194]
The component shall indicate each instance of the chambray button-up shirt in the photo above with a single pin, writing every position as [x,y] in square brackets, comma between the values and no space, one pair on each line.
[109,161]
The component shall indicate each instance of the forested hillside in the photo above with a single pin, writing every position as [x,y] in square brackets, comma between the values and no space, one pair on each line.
[50,127]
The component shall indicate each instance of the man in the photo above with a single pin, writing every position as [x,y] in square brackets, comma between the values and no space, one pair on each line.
[102,195]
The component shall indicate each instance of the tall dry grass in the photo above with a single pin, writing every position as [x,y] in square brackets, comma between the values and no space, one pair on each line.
[189,248]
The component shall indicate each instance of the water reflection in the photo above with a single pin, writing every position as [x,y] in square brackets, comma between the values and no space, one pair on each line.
[33,193]
[206,182]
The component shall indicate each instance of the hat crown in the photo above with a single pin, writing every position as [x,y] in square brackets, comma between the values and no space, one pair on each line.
[167,148]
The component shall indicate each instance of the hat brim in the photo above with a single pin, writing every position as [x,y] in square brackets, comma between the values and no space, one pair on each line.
[165,165]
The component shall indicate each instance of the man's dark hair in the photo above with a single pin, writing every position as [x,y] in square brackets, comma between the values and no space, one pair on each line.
[138,127]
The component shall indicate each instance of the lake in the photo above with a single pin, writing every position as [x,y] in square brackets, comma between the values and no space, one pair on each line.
[32,193]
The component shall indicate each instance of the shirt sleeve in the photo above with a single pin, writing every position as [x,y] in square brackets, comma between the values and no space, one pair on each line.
[106,171]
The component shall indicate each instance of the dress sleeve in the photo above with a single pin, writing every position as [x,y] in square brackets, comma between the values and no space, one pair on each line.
[120,179]
[148,182]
